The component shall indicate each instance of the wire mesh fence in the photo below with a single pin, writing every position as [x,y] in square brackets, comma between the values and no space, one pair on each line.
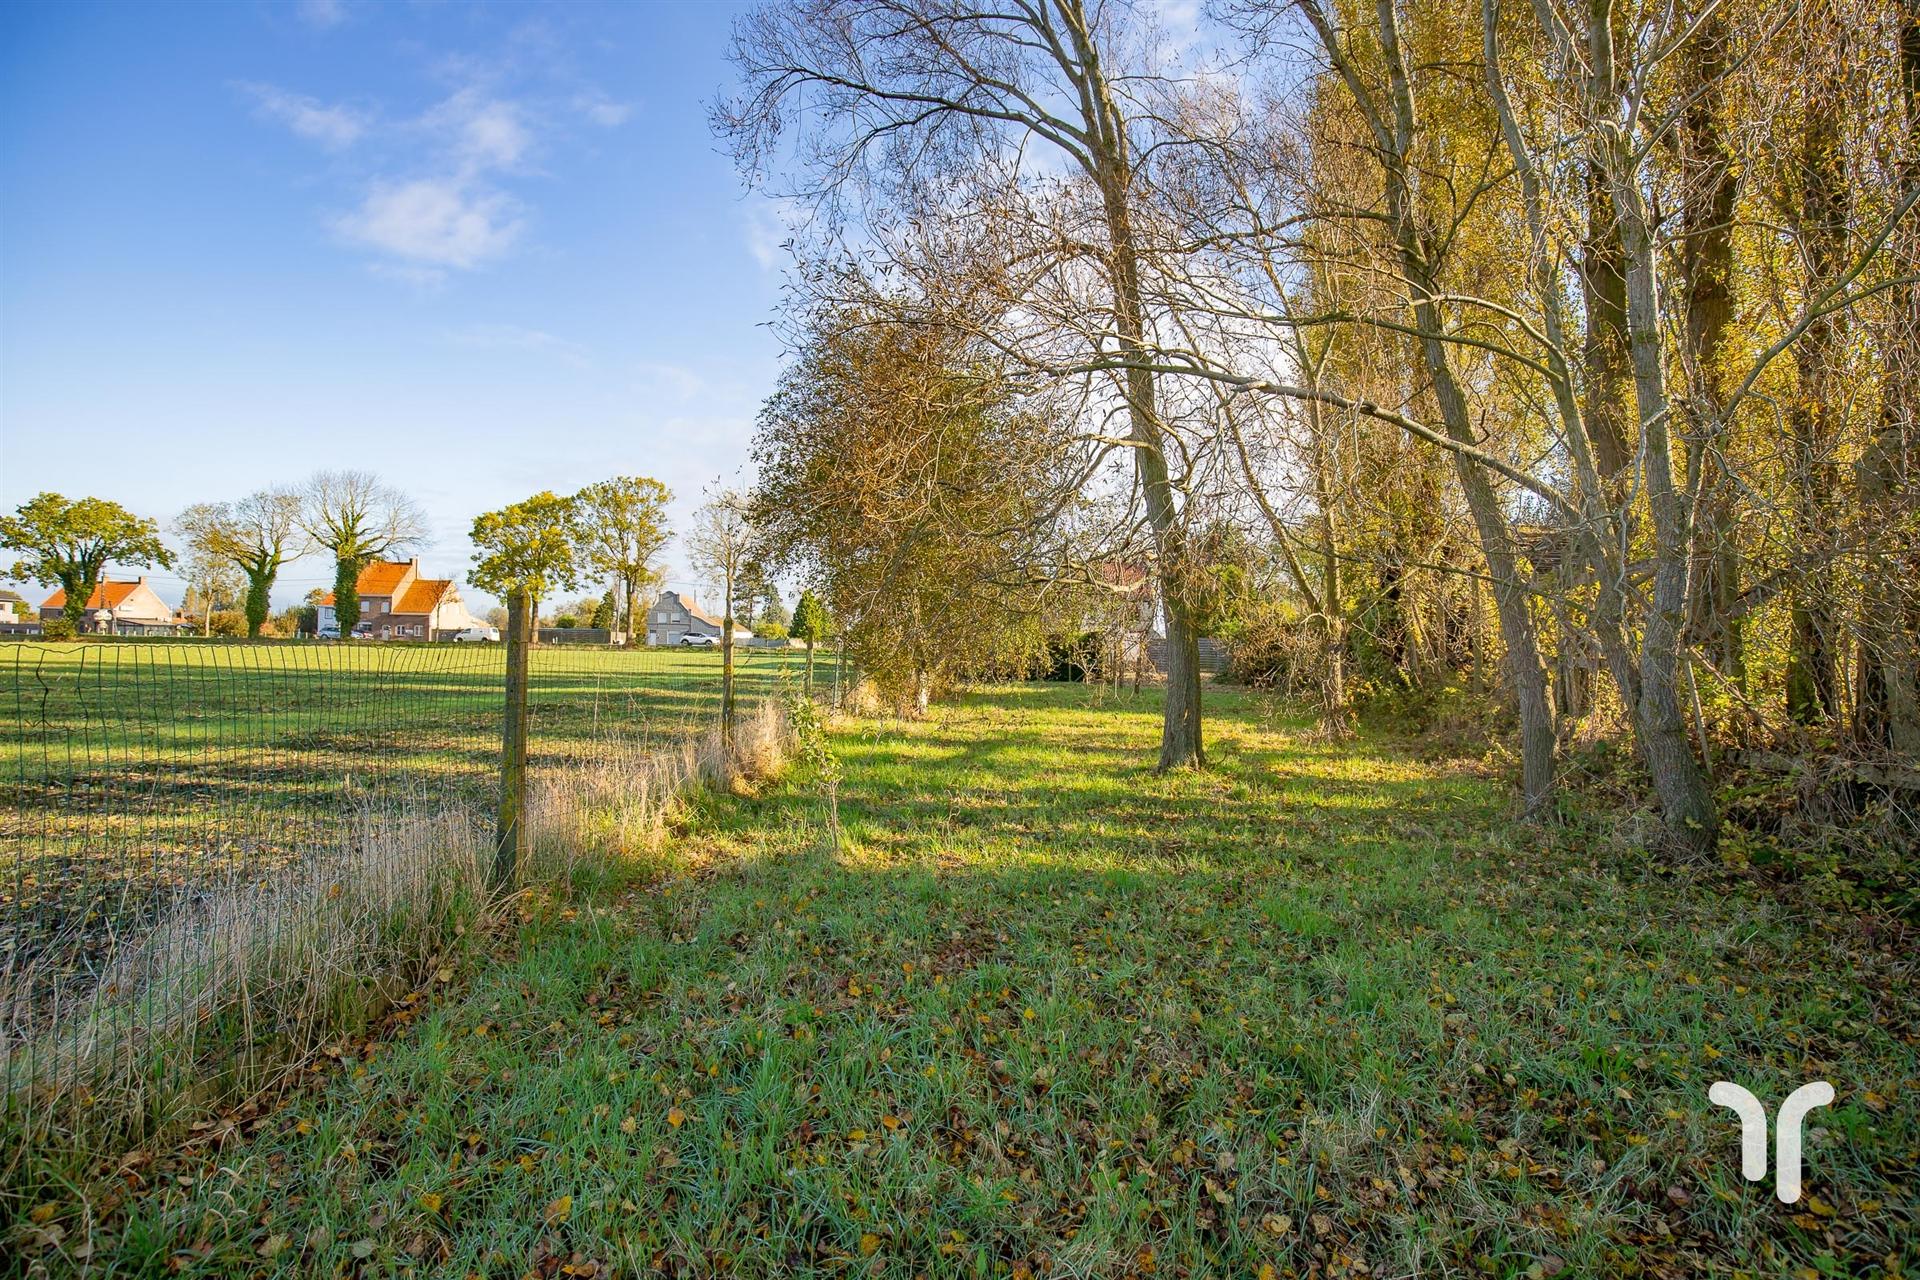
[180,816]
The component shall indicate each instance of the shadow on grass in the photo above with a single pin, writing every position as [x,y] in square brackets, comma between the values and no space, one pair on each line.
[1318,1008]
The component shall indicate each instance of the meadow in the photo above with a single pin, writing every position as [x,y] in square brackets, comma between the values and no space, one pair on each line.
[131,771]
[1321,1010]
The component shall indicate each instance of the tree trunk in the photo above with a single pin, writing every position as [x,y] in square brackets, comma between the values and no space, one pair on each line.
[259,600]
[79,588]
[346,594]
[1603,287]
[1813,420]
[1180,735]
[1679,780]
[1706,268]
[1335,714]
[1525,673]
[1180,731]
[1888,714]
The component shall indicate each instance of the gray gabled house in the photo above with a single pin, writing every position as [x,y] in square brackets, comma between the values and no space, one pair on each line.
[673,617]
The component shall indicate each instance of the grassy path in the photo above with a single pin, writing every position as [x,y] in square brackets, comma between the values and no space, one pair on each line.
[1319,1010]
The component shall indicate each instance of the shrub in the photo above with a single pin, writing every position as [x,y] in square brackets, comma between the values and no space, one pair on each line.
[1072,657]
[227,622]
[57,629]
[566,622]
[769,631]
[1273,649]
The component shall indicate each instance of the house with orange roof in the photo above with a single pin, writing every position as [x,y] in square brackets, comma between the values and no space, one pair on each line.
[397,603]
[119,608]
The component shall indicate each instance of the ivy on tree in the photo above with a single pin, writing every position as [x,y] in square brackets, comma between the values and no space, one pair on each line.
[69,543]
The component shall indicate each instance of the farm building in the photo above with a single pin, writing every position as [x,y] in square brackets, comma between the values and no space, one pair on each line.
[119,609]
[396,603]
[672,618]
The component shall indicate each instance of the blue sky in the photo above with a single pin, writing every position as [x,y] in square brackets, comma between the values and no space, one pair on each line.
[480,248]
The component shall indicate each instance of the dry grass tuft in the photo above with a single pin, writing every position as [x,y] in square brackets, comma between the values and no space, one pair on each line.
[236,989]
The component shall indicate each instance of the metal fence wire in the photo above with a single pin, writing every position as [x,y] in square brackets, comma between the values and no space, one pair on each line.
[180,816]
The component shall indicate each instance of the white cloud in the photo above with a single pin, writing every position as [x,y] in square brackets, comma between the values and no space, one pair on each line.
[482,132]
[322,14]
[668,381]
[514,337]
[506,335]
[434,193]
[335,128]
[436,222]
[423,280]
[602,110]
[770,225]
[453,218]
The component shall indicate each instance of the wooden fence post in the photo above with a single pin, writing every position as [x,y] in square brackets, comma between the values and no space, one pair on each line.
[510,835]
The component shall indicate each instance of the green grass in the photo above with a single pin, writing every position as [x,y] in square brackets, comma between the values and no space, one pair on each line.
[131,771]
[1321,1009]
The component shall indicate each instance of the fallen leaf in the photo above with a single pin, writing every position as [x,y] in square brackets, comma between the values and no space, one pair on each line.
[559,1211]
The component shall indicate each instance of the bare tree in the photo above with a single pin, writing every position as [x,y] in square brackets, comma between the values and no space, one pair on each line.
[358,518]
[718,545]
[918,107]
[256,535]
[1641,495]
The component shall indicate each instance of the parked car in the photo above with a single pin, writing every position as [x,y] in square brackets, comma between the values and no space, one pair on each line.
[476,635]
[697,641]
[327,633]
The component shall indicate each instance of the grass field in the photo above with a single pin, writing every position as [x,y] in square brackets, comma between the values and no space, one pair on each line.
[132,771]
[1317,1011]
